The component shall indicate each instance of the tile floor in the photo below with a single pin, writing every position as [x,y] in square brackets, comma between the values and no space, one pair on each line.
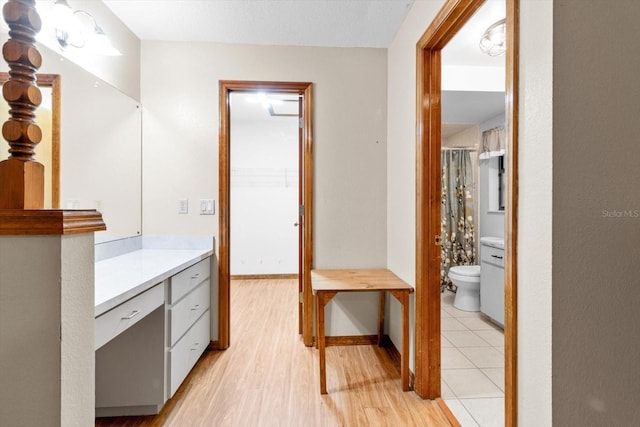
[472,366]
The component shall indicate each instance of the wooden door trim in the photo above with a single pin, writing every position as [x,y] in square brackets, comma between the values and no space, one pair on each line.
[224,172]
[512,85]
[452,16]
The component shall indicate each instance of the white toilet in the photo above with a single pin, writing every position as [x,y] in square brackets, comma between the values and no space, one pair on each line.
[467,280]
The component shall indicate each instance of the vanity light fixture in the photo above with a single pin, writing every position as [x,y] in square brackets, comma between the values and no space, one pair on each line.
[67,26]
[71,31]
[494,39]
[98,39]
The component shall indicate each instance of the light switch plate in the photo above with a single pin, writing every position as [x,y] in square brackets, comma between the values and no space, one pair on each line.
[207,207]
[183,206]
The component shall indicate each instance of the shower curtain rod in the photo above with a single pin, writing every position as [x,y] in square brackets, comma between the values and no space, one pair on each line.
[460,148]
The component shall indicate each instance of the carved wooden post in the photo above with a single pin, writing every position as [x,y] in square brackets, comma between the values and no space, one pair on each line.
[21,177]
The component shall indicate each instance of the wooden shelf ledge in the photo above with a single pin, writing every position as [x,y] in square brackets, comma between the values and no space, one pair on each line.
[42,222]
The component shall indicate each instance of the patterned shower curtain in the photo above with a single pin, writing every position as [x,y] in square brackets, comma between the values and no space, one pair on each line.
[457,213]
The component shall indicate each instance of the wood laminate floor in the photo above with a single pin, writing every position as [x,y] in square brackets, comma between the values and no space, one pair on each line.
[269,378]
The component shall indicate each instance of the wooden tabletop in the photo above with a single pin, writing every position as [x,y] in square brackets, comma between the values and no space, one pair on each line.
[352,280]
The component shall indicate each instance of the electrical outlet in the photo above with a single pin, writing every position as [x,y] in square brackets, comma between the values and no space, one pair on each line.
[183,206]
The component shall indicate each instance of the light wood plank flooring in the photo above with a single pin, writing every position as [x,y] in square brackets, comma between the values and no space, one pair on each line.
[269,378]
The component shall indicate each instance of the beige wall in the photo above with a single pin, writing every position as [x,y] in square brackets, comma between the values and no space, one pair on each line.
[596,213]
[534,244]
[180,97]
[46,330]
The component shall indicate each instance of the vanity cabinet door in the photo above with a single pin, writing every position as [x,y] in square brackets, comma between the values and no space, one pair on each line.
[492,284]
[187,351]
[117,320]
[185,281]
[183,314]
[188,327]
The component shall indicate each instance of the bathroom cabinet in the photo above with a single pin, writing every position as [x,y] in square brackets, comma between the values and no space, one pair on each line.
[152,325]
[188,300]
[492,282]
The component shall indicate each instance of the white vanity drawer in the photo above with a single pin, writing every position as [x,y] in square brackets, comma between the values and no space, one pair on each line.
[187,311]
[492,255]
[187,279]
[115,321]
[186,352]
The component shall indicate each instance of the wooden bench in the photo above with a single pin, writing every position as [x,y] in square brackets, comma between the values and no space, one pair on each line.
[327,283]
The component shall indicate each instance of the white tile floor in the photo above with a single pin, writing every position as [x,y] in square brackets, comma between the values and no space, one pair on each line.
[472,366]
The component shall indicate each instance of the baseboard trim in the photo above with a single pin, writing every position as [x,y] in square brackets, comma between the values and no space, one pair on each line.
[387,344]
[214,346]
[263,276]
[128,411]
[396,358]
[351,340]
[447,412]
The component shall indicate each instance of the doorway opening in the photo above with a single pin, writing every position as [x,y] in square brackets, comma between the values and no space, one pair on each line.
[302,93]
[264,185]
[451,18]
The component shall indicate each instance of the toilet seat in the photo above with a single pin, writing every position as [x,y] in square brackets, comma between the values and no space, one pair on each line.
[465,270]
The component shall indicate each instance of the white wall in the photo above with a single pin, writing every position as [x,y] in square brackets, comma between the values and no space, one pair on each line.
[535,214]
[534,238]
[464,78]
[77,310]
[180,143]
[401,157]
[264,195]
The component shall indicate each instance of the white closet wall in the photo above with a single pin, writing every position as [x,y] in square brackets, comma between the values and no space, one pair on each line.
[264,196]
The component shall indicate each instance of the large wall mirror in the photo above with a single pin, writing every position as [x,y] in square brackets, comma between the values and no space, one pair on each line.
[100,146]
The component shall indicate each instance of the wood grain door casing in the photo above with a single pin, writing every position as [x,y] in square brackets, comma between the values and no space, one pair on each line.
[453,15]
[303,89]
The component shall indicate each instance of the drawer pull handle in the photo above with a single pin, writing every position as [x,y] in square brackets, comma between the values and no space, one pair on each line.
[195,307]
[133,314]
[196,345]
[195,276]
[497,256]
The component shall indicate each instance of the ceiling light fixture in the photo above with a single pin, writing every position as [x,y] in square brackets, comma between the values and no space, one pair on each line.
[494,39]
[262,98]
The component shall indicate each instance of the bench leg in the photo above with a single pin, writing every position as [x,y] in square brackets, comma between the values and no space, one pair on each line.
[321,344]
[404,360]
[403,299]
[381,318]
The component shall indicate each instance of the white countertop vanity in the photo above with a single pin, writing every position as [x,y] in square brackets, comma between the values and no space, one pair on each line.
[153,308]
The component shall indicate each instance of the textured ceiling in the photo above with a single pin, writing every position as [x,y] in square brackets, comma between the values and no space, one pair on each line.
[331,23]
[334,23]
